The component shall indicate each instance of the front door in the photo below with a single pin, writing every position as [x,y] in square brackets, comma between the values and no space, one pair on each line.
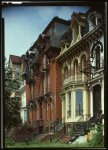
[96,98]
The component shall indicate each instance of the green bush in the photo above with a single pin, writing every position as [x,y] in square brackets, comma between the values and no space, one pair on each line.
[98,138]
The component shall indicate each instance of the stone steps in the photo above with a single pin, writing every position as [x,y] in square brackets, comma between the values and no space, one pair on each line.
[65,139]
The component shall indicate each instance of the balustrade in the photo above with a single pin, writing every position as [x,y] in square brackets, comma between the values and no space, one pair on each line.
[74,79]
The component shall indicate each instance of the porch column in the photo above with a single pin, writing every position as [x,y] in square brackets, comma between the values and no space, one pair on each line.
[66,103]
[63,106]
[85,102]
[73,103]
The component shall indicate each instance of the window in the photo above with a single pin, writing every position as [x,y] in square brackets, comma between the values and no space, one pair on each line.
[76,69]
[51,110]
[17,71]
[23,100]
[66,72]
[97,57]
[25,115]
[83,63]
[48,83]
[44,61]
[40,110]
[79,103]
[69,105]
[83,67]
[95,54]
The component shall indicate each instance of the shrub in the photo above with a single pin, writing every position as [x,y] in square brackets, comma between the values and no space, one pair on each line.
[98,138]
[23,133]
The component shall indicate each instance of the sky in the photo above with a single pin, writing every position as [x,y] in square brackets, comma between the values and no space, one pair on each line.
[23,24]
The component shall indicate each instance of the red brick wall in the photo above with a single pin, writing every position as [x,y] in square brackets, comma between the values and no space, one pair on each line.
[55,74]
[58,89]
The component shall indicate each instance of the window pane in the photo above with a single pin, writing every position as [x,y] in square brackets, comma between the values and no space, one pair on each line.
[66,72]
[79,103]
[17,71]
[69,105]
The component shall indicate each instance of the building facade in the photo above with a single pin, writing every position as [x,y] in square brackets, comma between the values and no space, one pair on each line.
[82,57]
[42,75]
[63,74]
[17,64]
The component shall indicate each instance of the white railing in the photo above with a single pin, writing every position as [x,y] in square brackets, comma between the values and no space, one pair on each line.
[74,79]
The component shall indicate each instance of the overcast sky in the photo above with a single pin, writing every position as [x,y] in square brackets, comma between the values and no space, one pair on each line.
[23,24]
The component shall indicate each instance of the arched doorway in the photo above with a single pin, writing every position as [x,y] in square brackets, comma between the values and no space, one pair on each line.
[96,98]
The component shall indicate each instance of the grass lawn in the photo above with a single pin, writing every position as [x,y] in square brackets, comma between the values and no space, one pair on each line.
[31,145]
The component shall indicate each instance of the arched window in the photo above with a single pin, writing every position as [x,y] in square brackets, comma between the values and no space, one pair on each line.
[66,72]
[83,62]
[97,57]
[95,53]
[51,110]
[83,65]
[76,69]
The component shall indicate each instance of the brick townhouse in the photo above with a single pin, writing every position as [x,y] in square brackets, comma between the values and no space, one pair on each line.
[43,80]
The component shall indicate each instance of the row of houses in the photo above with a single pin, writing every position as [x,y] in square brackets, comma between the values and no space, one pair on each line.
[62,73]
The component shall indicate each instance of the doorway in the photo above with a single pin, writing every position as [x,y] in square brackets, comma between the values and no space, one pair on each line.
[96,98]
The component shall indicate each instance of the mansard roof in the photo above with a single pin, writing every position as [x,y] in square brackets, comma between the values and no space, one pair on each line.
[56,19]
